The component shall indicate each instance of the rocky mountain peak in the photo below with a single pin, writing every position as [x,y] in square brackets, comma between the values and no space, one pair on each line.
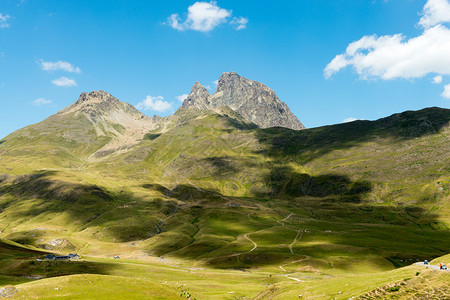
[198,98]
[101,103]
[96,97]
[227,79]
[251,99]
[109,117]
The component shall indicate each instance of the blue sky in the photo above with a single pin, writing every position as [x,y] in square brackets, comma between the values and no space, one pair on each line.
[328,60]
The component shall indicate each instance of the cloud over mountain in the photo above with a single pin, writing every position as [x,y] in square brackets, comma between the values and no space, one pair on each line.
[154,103]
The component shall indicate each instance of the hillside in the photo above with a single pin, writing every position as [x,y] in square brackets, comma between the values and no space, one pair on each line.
[95,124]
[208,189]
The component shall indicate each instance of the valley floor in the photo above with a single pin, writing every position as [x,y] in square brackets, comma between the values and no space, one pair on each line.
[214,208]
[165,279]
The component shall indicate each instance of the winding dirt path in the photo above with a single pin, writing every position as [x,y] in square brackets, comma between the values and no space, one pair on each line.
[248,216]
[240,253]
[297,237]
[252,241]
[296,279]
[293,262]
[285,219]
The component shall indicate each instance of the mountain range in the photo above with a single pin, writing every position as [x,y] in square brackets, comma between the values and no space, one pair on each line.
[230,180]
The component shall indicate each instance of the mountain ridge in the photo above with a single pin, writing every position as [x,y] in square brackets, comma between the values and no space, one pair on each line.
[253,100]
[116,126]
[195,189]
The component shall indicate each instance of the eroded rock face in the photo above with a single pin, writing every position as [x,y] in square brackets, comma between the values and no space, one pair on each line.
[253,100]
[109,117]
[198,98]
[100,103]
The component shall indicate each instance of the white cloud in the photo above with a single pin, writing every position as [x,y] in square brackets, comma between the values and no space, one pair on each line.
[204,17]
[59,65]
[4,20]
[215,82]
[435,12]
[174,22]
[239,23]
[349,120]
[391,56]
[181,98]
[437,79]
[446,92]
[154,103]
[394,56]
[41,101]
[64,82]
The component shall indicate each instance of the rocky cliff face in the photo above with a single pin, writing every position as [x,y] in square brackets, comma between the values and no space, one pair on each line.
[198,98]
[253,100]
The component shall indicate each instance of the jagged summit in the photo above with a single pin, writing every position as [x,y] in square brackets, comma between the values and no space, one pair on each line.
[198,98]
[96,96]
[100,103]
[253,100]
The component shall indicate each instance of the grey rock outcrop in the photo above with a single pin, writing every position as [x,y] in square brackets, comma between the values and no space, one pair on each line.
[198,98]
[100,103]
[254,101]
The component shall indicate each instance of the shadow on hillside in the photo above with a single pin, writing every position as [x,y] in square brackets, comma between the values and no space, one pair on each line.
[19,262]
[330,203]
[39,185]
[283,180]
[316,142]
[42,193]
[323,203]
[151,136]
[224,167]
[19,251]
[1,142]
[185,192]
[33,268]
[221,165]
[237,124]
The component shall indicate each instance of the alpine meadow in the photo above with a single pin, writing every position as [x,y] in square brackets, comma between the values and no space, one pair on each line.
[231,193]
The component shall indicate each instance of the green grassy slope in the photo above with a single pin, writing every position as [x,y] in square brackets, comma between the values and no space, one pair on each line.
[96,287]
[12,253]
[59,141]
[213,191]
[133,279]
